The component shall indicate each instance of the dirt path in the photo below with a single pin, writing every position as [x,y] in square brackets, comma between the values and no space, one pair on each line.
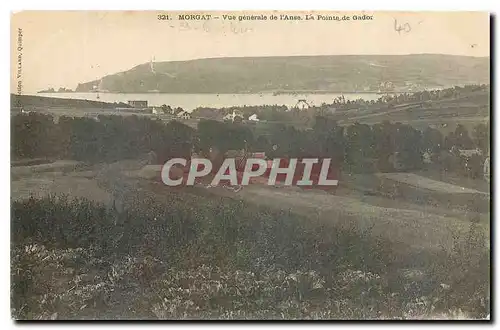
[417,228]
[399,108]
[58,183]
[429,184]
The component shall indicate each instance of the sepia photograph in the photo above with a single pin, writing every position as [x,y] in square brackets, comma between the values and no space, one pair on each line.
[250,165]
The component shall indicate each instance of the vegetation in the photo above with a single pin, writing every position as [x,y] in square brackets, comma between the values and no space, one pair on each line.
[181,255]
[299,73]
[60,90]
[31,101]
[178,258]
[339,107]
[356,148]
[107,139]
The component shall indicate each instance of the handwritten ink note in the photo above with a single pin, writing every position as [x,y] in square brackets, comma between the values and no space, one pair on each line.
[398,27]
[207,27]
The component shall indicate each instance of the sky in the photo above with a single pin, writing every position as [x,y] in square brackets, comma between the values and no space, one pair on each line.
[64,48]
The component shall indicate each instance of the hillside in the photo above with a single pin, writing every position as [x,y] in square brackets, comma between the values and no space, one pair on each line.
[343,73]
[27,101]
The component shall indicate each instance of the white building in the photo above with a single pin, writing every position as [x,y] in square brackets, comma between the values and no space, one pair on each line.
[469,152]
[233,116]
[138,104]
[157,111]
[486,169]
[184,115]
[176,111]
[302,104]
[253,117]
[427,157]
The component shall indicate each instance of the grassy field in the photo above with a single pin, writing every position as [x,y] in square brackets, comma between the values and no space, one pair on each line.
[262,253]
[109,241]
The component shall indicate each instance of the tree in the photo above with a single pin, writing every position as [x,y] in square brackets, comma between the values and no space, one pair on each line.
[432,140]
[459,138]
[409,146]
[474,166]
[481,137]
[34,135]
[359,147]
[384,144]
[175,140]
[325,140]
[462,138]
[262,143]
[166,109]
[224,136]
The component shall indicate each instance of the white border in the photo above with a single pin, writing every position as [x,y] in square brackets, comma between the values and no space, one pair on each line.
[427,5]
[422,5]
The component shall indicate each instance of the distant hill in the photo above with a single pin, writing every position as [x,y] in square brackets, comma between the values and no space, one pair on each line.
[342,73]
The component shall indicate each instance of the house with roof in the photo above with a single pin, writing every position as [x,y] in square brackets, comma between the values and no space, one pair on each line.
[183,115]
[427,157]
[301,104]
[486,169]
[176,111]
[253,117]
[234,116]
[157,111]
[138,104]
[469,152]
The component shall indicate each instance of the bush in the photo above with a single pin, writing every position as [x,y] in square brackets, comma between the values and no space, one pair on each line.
[108,139]
[266,264]
[34,135]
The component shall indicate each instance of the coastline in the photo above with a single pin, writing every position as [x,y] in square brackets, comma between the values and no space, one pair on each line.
[298,92]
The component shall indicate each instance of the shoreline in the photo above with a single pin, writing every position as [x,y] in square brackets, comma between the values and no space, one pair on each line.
[241,93]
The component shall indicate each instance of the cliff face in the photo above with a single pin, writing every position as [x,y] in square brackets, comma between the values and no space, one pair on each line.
[301,73]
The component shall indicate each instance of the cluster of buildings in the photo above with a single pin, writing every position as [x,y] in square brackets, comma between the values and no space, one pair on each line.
[180,113]
[143,106]
[234,116]
[237,116]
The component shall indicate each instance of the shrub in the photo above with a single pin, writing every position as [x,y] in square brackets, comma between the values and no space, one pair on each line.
[266,263]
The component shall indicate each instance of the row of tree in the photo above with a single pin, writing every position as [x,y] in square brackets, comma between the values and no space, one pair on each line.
[357,148]
[107,139]
[403,98]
